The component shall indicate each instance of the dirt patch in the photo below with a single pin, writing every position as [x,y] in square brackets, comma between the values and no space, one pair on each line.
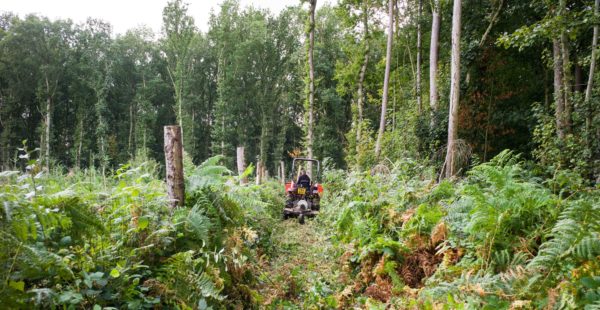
[418,265]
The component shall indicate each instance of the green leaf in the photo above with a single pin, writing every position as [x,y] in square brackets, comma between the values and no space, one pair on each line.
[97,307]
[19,285]
[143,222]
[591,282]
[115,273]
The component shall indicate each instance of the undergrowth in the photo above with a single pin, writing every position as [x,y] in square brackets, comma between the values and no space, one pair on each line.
[499,238]
[83,241]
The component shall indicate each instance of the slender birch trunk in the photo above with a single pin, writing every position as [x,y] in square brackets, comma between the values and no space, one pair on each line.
[418,80]
[386,78]
[361,76]
[311,83]
[454,91]
[48,124]
[433,61]
[558,88]
[590,84]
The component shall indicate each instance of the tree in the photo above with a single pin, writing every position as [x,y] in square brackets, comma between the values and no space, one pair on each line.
[97,68]
[45,44]
[451,152]
[419,56]
[433,61]
[179,31]
[311,81]
[386,79]
[590,84]
[360,94]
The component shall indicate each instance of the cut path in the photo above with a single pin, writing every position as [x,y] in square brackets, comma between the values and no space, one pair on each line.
[304,270]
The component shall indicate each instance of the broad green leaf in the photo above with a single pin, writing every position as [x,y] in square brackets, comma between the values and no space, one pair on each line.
[115,273]
[17,285]
[143,222]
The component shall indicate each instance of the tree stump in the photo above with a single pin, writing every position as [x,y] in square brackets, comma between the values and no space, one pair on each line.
[241,163]
[174,165]
[258,172]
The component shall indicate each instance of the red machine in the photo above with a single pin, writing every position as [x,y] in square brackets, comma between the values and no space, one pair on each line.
[303,200]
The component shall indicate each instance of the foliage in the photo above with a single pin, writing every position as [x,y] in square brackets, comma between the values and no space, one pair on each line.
[69,240]
[501,237]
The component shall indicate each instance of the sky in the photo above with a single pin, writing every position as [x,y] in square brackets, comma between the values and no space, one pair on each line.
[127,14]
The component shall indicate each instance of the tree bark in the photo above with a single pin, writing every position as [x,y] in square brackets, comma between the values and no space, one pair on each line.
[241,163]
[493,20]
[590,84]
[282,171]
[418,80]
[558,89]
[48,124]
[174,165]
[258,172]
[130,139]
[80,147]
[454,91]
[361,76]
[386,78]
[566,67]
[433,62]
[311,82]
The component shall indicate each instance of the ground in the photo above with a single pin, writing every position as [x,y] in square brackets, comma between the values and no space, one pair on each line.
[304,271]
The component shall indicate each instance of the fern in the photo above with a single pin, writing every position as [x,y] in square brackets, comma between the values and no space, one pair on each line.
[574,237]
[197,224]
[207,174]
[183,276]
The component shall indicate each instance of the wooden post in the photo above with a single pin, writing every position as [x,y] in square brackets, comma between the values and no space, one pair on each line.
[174,165]
[241,163]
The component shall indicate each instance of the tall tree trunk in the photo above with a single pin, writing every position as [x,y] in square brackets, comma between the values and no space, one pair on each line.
[130,139]
[386,78]
[311,83]
[418,80]
[282,171]
[590,84]
[80,147]
[361,76]
[558,88]
[48,124]
[433,61]
[566,67]
[454,91]
[264,139]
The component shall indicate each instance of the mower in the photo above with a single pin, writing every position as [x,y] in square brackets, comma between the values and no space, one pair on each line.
[303,199]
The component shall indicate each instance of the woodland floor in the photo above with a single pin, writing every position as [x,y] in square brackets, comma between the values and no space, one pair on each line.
[305,267]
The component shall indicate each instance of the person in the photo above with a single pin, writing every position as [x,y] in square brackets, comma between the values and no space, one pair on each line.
[303,179]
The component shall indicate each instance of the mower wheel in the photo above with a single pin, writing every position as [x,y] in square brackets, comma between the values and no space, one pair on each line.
[301,219]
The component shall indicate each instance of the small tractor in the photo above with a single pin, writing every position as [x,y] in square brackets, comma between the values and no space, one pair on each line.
[303,199]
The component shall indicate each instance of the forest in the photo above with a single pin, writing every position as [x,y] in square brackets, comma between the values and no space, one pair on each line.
[458,144]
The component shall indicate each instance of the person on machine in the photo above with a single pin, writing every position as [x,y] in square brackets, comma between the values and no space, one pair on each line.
[303,179]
